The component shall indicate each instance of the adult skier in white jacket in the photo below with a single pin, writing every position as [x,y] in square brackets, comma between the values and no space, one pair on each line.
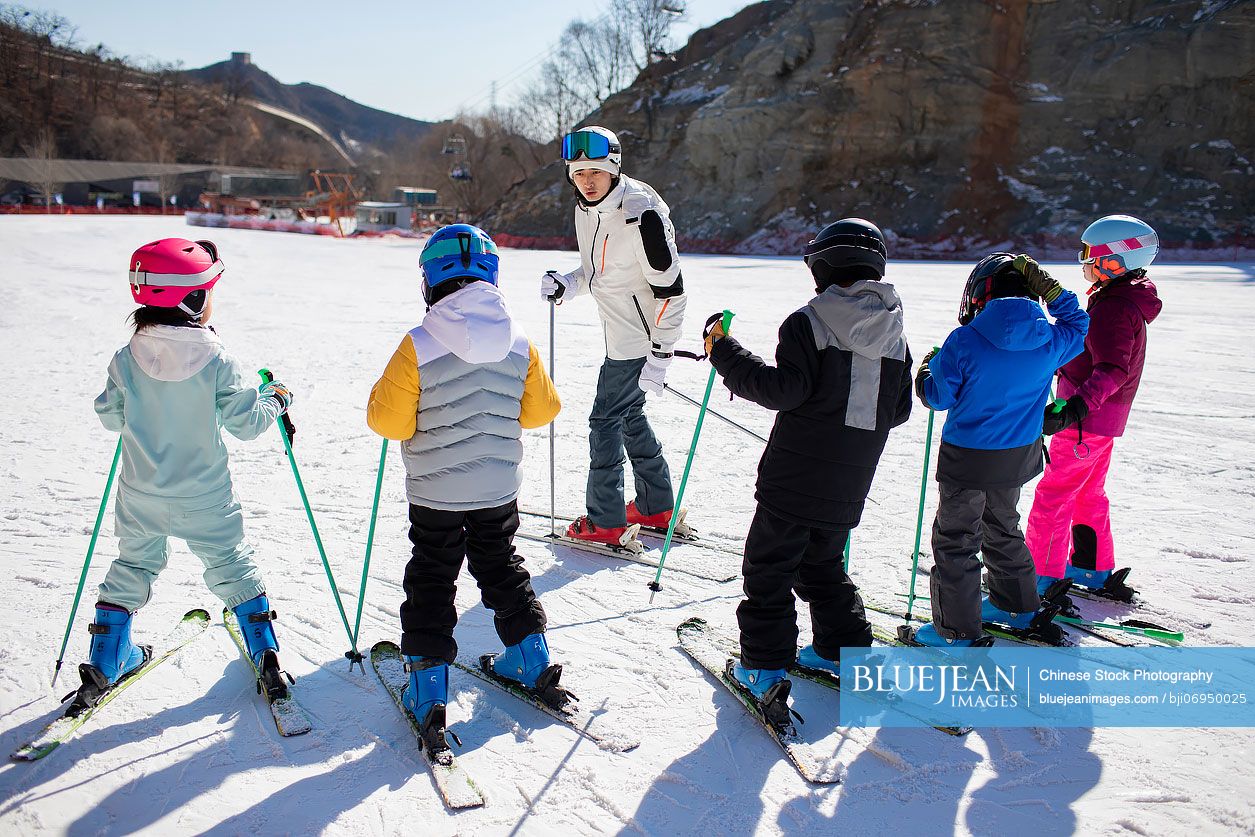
[628,262]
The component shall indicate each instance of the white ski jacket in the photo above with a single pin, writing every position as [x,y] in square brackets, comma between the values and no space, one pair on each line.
[630,265]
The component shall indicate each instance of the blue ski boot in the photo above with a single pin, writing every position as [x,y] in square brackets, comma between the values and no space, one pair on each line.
[1034,625]
[426,696]
[809,658]
[928,635]
[113,656]
[769,688]
[1091,579]
[1067,607]
[527,664]
[256,621]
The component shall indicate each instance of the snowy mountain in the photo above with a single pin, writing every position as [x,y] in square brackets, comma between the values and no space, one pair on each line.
[954,125]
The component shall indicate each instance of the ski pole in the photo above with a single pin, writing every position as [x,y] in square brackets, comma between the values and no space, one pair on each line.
[287,430]
[91,547]
[849,543]
[553,492]
[919,520]
[1161,634]
[719,416]
[370,542]
[656,584]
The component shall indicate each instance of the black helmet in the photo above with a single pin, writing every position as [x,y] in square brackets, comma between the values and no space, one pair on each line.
[847,243]
[993,277]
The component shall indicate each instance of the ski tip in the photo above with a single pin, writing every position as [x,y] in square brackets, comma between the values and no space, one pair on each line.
[196,614]
[385,647]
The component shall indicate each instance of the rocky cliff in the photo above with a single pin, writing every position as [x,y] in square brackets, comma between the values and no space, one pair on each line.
[956,125]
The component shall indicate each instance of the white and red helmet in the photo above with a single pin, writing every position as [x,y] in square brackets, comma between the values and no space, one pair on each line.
[165,273]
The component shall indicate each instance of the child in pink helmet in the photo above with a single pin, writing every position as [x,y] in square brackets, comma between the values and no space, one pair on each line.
[1069,527]
[169,391]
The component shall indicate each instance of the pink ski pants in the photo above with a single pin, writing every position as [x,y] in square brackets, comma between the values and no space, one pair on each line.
[1071,493]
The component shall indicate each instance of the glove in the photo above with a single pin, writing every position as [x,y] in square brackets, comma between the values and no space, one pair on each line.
[553,285]
[654,373]
[716,333]
[922,376]
[279,392]
[1061,418]
[1038,280]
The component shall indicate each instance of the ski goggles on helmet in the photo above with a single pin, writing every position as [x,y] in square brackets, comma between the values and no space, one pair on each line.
[1090,252]
[588,143]
[464,245]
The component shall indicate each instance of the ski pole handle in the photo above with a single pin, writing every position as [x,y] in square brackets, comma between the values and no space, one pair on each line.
[289,428]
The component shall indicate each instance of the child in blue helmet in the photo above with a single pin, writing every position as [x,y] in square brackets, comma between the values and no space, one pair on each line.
[457,393]
[170,391]
[993,376]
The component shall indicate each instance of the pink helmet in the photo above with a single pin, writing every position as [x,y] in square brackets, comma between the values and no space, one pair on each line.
[165,273]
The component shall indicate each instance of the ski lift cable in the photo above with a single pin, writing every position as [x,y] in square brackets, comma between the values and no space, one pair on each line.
[517,74]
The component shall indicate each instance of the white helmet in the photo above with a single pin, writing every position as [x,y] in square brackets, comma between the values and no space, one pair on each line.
[1117,244]
[593,147]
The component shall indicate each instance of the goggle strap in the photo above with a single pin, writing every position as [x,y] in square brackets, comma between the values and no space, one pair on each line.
[174,280]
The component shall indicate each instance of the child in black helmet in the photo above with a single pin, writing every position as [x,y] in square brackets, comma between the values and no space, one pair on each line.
[842,379]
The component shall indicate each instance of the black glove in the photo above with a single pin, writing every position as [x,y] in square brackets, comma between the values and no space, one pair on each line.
[1058,418]
[922,376]
[1038,280]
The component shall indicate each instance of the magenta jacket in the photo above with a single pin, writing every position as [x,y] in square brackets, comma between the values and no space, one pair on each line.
[1107,373]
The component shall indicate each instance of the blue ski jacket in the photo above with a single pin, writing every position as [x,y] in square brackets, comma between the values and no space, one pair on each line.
[993,375]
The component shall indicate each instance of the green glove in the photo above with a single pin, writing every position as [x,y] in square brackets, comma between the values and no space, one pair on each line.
[1038,280]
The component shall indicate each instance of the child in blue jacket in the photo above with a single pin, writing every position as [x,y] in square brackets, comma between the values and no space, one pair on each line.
[993,377]
[170,390]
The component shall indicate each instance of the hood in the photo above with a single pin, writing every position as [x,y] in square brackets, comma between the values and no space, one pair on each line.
[1013,323]
[174,353]
[473,324]
[866,317]
[1141,292]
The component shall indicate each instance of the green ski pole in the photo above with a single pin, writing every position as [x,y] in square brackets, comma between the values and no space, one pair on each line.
[370,542]
[287,431]
[91,548]
[919,520]
[656,584]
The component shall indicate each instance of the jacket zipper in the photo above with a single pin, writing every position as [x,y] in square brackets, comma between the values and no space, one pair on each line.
[640,313]
[592,249]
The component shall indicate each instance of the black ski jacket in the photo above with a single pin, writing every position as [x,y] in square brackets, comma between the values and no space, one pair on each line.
[842,379]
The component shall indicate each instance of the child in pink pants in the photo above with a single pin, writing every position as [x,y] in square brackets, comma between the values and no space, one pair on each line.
[1069,527]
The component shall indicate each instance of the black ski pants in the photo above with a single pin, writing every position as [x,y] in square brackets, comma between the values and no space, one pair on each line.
[485,537]
[971,521]
[781,558]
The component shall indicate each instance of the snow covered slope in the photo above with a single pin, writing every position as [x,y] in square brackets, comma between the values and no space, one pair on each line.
[191,749]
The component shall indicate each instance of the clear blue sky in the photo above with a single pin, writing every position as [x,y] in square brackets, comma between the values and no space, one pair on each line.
[420,58]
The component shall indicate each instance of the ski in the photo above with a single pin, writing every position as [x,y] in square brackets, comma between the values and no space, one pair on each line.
[570,713]
[290,719]
[59,731]
[713,654]
[647,557]
[455,785]
[1057,638]
[683,532]
[832,681]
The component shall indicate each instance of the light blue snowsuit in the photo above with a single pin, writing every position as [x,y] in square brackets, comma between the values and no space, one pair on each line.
[169,391]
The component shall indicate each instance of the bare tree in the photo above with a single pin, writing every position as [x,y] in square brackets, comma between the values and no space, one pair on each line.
[649,23]
[43,154]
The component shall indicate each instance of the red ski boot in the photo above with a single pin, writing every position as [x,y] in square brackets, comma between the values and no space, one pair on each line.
[660,521]
[583,529]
